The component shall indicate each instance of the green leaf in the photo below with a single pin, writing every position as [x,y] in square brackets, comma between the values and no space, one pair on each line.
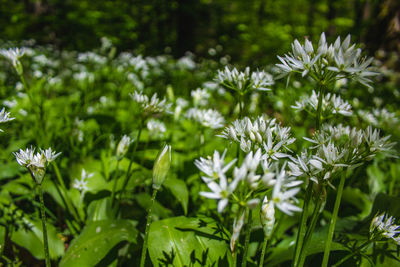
[96,240]
[285,249]
[179,189]
[100,210]
[144,200]
[32,239]
[182,241]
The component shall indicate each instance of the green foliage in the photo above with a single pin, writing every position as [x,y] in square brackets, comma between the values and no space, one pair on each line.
[96,241]
[183,241]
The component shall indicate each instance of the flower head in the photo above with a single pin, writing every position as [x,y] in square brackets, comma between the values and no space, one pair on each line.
[36,163]
[383,226]
[209,118]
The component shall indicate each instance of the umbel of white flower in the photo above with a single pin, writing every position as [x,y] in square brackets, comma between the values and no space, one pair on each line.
[331,104]
[260,133]
[81,184]
[383,226]
[36,163]
[150,106]
[14,55]
[4,117]
[245,81]
[328,62]
[338,147]
[209,118]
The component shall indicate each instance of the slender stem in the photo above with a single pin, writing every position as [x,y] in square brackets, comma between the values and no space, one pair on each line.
[146,233]
[319,107]
[63,195]
[43,213]
[247,238]
[331,231]
[303,224]
[128,172]
[234,262]
[115,184]
[353,252]
[309,232]
[264,246]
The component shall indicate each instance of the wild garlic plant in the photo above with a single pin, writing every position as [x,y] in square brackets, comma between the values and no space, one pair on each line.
[36,164]
[242,189]
[336,147]
[244,82]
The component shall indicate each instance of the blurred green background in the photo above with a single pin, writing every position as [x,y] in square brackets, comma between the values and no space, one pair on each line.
[250,31]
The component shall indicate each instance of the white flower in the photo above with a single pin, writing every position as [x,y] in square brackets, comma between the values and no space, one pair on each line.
[81,184]
[338,60]
[153,105]
[36,163]
[284,191]
[214,166]
[259,133]
[156,128]
[200,97]
[237,227]
[5,117]
[209,118]
[331,104]
[244,81]
[384,225]
[123,146]
[14,55]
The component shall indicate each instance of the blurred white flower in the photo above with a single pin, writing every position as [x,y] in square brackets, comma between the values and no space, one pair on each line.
[152,105]
[156,128]
[209,118]
[384,226]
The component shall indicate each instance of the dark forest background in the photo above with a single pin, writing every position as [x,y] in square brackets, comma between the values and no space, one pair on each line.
[250,31]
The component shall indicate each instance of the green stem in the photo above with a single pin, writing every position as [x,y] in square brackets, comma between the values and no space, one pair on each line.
[115,184]
[146,233]
[321,90]
[63,194]
[264,246]
[303,225]
[247,238]
[43,213]
[128,172]
[333,221]
[309,232]
[353,252]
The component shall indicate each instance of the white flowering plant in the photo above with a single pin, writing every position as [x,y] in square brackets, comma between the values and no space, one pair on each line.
[192,162]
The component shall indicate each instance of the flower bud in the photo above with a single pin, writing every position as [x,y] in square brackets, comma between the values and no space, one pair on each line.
[267,217]
[123,146]
[161,166]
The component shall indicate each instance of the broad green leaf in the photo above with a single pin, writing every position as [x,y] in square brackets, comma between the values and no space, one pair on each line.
[358,199]
[32,239]
[179,189]
[96,240]
[100,210]
[182,241]
[284,250]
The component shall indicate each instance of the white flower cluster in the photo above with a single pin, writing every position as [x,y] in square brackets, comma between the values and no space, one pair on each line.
[341,59]
[379,117]
[36,163]
[156,128]
[338,147]
[331,104]
[244,81]
[200,97]
[5,117]
[260,133]
[209,118]
[285,186]
[383,226]
[152,105]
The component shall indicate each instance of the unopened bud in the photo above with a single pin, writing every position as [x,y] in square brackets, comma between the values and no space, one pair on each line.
[267,217]
[161,166]
[123,146]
